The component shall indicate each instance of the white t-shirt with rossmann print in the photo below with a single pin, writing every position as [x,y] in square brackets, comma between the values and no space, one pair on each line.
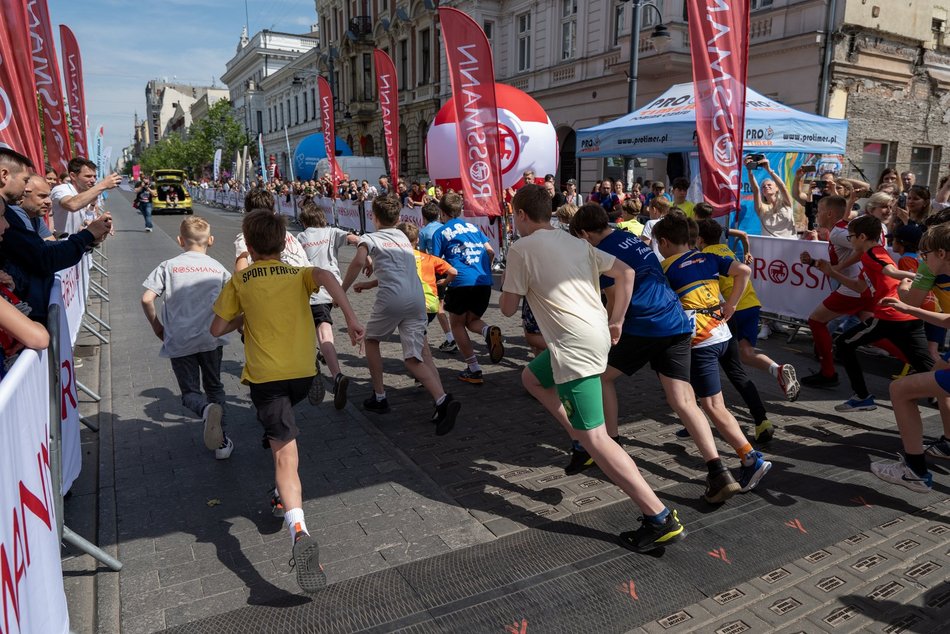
[189,284]
[293,254]
[322,247]
[839,250]
[400,291]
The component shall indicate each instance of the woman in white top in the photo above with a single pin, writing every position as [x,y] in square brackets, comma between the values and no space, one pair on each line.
[773,204]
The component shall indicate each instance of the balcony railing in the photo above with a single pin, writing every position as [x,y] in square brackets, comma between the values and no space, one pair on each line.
[362,27]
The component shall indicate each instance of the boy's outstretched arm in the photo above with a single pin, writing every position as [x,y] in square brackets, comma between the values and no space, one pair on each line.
[353,271]
[327,282]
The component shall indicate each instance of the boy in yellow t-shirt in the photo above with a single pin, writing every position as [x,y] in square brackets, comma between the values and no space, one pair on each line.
[630,209]
[272,301]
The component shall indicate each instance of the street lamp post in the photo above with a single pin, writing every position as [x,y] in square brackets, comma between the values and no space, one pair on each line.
[661,41]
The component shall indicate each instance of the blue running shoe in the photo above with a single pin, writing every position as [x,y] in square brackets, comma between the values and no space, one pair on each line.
[750,476]
[855,404]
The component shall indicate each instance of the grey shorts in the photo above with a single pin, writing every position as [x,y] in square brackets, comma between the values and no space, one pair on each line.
[412,332]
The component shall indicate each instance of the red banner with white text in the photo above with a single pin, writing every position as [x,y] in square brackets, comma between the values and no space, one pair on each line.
[329,127]
[472,75]
[19,116]
[389,104]
[719,45]
[48,86]
[75,93]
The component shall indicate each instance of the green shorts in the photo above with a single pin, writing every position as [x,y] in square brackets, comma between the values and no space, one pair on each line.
[583,398]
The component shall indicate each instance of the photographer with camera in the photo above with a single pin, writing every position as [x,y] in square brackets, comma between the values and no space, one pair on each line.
[772,202]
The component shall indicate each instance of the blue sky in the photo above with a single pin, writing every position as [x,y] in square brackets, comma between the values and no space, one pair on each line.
[125,43]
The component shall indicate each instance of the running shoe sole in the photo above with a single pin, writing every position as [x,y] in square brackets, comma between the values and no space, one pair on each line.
[756,477]
[339,396]
[844,407]
[496,349]
[789,383]
[317,391]
[471,380]
[213,434]
[448,423]
[724,493]
[310,575]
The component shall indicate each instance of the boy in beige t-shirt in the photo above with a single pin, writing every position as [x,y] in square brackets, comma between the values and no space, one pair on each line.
[560,276]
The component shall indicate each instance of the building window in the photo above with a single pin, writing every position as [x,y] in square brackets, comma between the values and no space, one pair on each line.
[425,66]
[925,164]
[367,77]
[296,110]
[761,4]
[313,100]
[403,63]
[568,29]
[650,18]
[260,120]
[524,41]
[619,24]
[877,155]
[489,27]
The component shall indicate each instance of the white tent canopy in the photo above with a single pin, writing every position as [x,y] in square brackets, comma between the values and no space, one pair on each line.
[668,124]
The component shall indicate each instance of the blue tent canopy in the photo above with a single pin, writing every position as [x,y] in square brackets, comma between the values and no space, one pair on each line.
[668,124]
[311,149]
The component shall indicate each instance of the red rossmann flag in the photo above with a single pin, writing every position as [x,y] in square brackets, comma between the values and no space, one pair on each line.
[19,116]
[329,131]
[46,70]
[389,104]
[473,87]
[75,93]
[719,44]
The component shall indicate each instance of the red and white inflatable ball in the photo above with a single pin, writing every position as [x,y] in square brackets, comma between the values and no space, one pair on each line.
[527,137]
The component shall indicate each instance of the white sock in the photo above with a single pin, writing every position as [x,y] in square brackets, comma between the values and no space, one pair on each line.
[381,397]
[485,330]
[449,336]
[773,369]
[295,522]
[440,400]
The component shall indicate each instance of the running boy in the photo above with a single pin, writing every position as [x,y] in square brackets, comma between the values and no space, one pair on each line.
[465,247]
[322,245]
[189,284]
[430,225]
[271,299]
[745,322]
[694,276]
[400,305]
[656,330]
[879,278]
[911,470]
[559,276]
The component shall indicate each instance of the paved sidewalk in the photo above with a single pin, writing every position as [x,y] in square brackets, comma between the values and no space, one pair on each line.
[384,496]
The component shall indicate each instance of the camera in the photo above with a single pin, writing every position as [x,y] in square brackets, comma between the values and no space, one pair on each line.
[757,158]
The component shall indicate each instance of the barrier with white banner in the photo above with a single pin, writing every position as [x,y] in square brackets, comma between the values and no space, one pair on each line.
[785,286]
[68,295]
[32,598]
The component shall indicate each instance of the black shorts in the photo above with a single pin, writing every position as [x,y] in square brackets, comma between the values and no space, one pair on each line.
[467,299]
[668,356]
[321,314]
[274,402]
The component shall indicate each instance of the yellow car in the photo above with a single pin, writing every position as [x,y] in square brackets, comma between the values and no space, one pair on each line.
[169,193]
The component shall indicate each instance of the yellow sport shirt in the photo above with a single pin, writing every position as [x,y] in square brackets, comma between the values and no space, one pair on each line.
[279,337]
[749,299]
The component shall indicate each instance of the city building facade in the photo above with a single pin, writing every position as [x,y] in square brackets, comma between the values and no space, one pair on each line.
[168,107]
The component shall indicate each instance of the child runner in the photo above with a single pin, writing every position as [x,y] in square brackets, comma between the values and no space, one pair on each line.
[694,276]
[906,244]
[911,470]
[680,187]
[656,330]
[630,211]
[465,247]
[745,322]
[559,275]
[400,305]
[322,245]
[658,207]
[879,278]
[189,284]
[430,225]
[271,299]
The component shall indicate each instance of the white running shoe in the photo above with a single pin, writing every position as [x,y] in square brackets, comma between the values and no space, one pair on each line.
[213,434]
[897,472]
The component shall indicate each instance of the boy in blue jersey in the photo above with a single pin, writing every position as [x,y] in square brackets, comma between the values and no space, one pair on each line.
[694,276]
[656,330]
[430,225]
[465,247]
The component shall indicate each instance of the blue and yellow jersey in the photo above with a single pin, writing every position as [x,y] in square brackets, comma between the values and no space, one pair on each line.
[694,276]
[749,299]
[939,284]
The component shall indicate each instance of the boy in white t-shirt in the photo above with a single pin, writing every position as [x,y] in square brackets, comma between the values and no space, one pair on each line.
[322,246]
[400,305]
[560,277]
[189,284]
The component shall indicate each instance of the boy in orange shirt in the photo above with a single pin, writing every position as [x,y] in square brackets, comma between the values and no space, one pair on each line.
[434,272]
